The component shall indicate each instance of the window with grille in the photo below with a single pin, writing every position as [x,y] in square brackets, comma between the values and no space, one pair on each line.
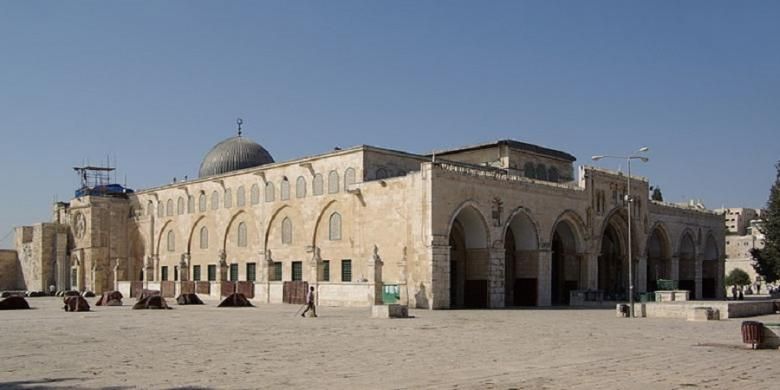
[180,206]
[212,270]
[333,182]
[204,238]
[254,194]
[334,231]
[269,192]
[317,184]
[300,187]
[286,231]
[196,273]
[349,178]
[190,204]
[285,189]
[164,272]
[326,270]
[202,202]
[242,234]
[346,270]
[251,272]
[214,200]
[234,272]
[297,270]
[240,197]
[276,274]
[175,273]
[228,198]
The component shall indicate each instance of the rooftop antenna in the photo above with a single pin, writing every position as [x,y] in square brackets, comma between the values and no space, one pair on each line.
[239,122]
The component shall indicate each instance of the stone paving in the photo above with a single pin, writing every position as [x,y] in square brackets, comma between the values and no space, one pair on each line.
[270,347]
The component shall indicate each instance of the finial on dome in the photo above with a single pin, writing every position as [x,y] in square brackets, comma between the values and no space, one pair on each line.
[239,122]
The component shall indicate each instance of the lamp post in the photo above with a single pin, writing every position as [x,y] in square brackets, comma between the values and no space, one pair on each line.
[629,202]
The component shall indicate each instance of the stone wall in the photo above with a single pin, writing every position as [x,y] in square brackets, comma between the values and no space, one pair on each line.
[10,275]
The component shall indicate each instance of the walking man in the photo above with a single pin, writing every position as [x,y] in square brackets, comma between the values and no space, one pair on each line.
[310,304]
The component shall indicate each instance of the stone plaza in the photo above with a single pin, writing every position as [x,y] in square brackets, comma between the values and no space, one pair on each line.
[269,347]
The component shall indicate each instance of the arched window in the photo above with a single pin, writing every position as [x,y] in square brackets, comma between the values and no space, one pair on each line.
[242,235]
[150,208]
[202,202]
[552,174]
[169,208]
[180,206]
[240,197]
[171,241]
[228,198]
[381,173]
[190,204]
[317,185]
[300,187]
[333,182]
[286,231]
[255,194]
[349,178]
[334,228]
[269,192]
[160,210]
[285,189]
[204,238]
[214,200]
[530,170]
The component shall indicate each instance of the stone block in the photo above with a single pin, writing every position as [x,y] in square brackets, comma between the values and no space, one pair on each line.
[700,314]
[390,311]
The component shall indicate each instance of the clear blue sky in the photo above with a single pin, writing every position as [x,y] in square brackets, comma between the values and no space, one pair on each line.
[157,83]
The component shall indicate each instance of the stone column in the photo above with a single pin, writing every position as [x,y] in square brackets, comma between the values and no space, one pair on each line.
[591,261]
[544,287]
[675,268]
[156,267]
[375,278]
[184,267]
[314,267]
[116,275]
[640,274]
[222,267]
[698,269]
[437,294]
[149,271]
[496,277]
[720,287]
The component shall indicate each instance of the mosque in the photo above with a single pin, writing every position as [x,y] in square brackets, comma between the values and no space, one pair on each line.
[498,224]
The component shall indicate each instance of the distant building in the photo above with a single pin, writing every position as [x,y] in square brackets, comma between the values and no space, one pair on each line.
[738,219]
[738,247]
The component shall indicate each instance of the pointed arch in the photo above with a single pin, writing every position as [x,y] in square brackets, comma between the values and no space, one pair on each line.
[577,225]
[192,232]
[522,212]
[479,217]
[271,221]
[160,236]
[229,226]
[317,222]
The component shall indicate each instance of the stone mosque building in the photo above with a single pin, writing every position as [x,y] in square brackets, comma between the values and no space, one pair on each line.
[498,224]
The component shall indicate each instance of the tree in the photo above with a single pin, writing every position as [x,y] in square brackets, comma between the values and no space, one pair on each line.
[737,277]
[766,261]
[657,195]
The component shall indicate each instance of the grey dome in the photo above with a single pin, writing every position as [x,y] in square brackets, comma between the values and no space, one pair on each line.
[233,154]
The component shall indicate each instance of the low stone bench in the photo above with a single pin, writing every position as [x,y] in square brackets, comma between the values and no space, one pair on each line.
[390,311]
[703,314]
[671,295]
[771,333]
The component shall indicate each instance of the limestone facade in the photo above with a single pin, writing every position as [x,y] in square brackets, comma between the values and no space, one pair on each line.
[10,274]
[461,228]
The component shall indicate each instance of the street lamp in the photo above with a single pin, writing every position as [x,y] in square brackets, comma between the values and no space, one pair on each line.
[629,201]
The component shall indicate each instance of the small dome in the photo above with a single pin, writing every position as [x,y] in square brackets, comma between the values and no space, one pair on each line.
[233,154]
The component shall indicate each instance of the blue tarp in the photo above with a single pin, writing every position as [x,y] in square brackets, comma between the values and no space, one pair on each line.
[109,189]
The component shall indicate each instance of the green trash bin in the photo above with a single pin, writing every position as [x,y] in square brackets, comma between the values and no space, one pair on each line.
[391,293]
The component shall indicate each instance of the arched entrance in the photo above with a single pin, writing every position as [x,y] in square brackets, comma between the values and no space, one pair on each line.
[613,260]
[687,272]
[709,269]
[521,262]
[468,260]
[565,269]
[659,263]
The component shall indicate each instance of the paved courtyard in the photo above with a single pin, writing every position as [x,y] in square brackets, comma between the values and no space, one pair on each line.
[269,347]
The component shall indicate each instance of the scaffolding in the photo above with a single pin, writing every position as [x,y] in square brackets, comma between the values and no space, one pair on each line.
[96,181]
